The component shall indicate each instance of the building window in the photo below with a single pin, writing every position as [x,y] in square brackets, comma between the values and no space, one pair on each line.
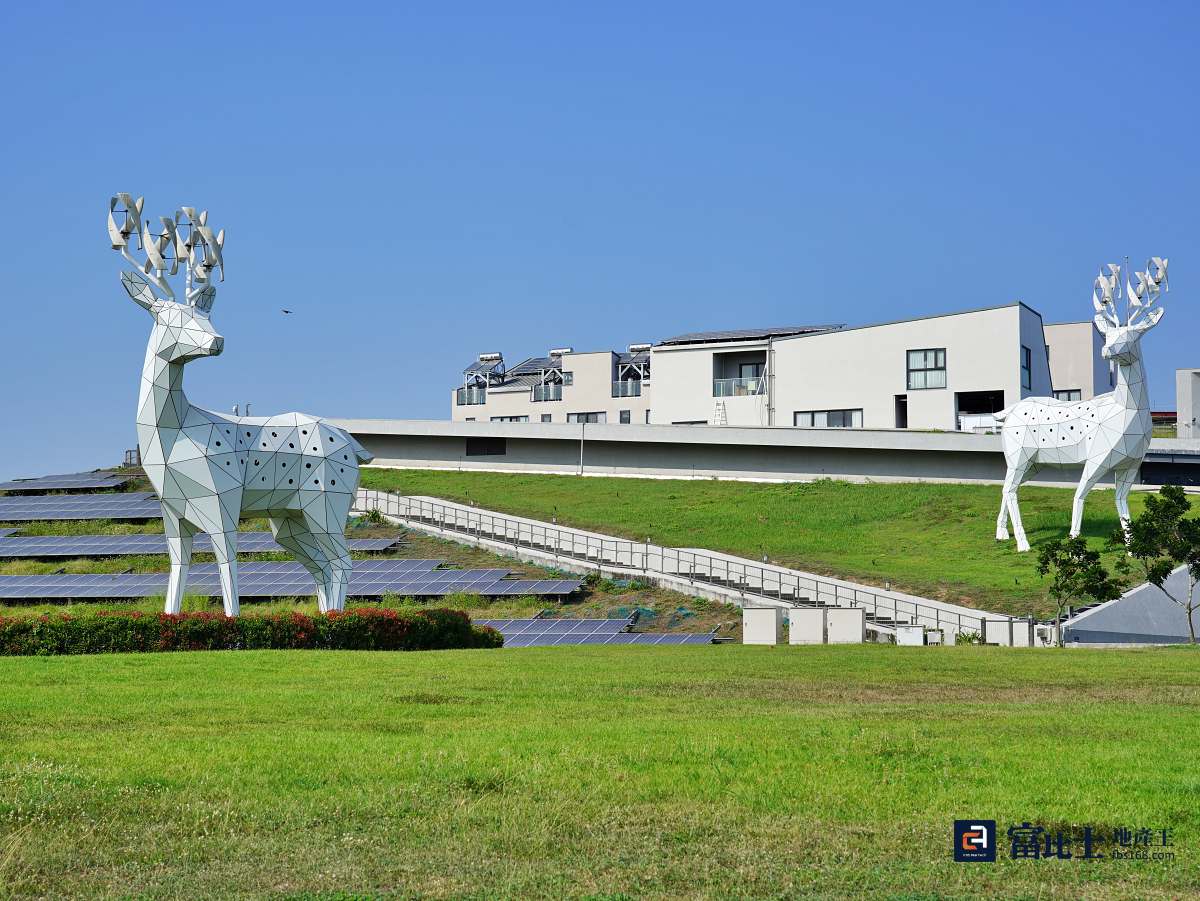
[927,368]
[470,419]
[625,417]
[587,417]
[828,419]
[568,378]
[750,370]
[487,447]
[647,417]
[1026,367]
[1070,394]
[510,419]
[546,417]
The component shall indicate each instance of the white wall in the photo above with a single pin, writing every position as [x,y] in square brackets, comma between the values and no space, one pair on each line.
[683,385]
[865,368]
[1075,360]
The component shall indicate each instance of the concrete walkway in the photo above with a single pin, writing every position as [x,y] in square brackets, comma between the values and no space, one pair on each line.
[692,571]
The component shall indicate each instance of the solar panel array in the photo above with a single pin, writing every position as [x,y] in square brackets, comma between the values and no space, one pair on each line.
[128,505]
[370,578]
[117,545]
[75,481]
[527,633]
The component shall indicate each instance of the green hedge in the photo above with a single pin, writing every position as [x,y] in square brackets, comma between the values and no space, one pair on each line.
[359,629]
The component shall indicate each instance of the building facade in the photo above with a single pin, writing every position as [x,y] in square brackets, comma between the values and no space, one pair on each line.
[948,372]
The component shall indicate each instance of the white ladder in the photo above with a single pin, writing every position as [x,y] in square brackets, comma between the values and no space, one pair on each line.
[719,415]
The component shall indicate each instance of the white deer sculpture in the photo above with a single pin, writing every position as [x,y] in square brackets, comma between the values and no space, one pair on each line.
[209,469]
[1108,433]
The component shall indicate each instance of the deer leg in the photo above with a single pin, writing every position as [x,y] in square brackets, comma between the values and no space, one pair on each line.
[1002,518]
[1125,479]
[225,550]
[179,535]
[1091,475]
[1011,483]
[292,533]
[339,566]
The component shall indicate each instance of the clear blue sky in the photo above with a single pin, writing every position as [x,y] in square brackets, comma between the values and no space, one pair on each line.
[419,185]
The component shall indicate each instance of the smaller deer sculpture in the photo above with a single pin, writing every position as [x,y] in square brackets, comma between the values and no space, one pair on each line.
[207,468]
[1107,434]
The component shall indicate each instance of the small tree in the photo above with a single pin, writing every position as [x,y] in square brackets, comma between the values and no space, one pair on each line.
[1159,540]
[1078,576]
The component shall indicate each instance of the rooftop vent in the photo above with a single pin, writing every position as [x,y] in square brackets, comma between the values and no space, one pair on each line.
[638,348]
[559,351]
[490,358]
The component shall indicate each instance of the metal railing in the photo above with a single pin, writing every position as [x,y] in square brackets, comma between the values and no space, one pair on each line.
[737,387]
[627,388]
[470,396]
[743,576]
[547,392]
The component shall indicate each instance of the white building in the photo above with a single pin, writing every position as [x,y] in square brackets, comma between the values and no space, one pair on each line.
[945,372]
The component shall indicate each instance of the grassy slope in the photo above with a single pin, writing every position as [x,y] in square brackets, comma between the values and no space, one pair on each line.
[932,540]
[732,771]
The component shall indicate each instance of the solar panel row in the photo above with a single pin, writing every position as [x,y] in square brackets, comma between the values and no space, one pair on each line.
[545,639]
[115,545]
[370,578]
[557,626]
[76,481]
[129,505]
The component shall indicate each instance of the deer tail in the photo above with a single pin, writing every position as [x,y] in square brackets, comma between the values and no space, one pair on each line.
[360,453]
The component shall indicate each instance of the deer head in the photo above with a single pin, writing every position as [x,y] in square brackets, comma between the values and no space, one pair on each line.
[183,331]
[1121,339]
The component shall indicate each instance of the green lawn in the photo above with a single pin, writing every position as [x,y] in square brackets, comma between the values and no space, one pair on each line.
[720,771]
[929,539]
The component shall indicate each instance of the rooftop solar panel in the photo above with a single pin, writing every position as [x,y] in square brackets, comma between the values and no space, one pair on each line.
[117,545]
[129,505]
[78,481]
[744,334]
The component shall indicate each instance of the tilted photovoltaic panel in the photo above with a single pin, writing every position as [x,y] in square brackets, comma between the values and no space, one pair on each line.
[77,481]
[370,578]
[129,505]
[156,543]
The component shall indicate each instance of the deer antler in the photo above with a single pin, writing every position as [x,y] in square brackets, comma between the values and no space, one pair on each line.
[1104,290]
[154,266]
[1151,284]
[203,250]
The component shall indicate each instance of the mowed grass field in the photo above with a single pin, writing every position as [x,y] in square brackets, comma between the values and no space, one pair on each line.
[724,771]
[932,540]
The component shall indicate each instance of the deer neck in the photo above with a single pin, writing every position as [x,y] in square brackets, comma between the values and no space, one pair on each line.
[1130,391]
[162,404]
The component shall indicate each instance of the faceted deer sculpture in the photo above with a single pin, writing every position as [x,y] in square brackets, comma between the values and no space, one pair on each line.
[1108,433]
[209,469]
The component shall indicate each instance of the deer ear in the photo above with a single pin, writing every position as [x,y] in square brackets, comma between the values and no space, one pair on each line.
[1150,321]
[1102,323]
[138,289]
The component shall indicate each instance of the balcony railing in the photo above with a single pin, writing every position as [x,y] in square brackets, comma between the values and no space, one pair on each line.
[547,392]
[470,396]
[627,388]
[737,387]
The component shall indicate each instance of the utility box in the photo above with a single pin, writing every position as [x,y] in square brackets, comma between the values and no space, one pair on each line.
[806,625]
[845,625]
[998,632]
[934,636]
[1022,633]
[762,625]
[910,636]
